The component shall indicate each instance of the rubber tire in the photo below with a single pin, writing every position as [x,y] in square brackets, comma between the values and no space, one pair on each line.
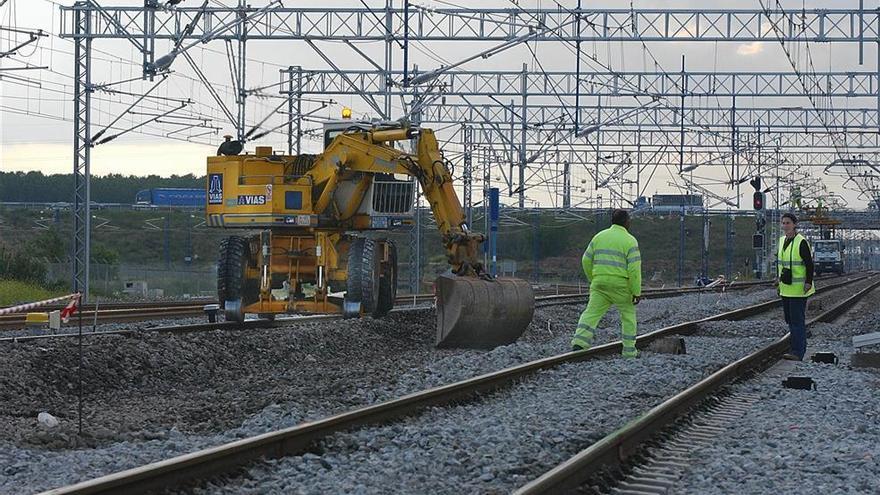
[387,283]
[363,274]
[231,266]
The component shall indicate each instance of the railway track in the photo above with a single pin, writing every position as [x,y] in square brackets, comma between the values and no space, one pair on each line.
[127,312]
[404,303]
[182,470]
[617,449]
[119,311]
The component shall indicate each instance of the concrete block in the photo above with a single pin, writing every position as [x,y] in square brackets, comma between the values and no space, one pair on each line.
[866,339]
[866,360]
[55,320]
[668,345]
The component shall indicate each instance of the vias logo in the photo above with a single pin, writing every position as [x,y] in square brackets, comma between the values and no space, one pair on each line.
[215,189]
[251,199]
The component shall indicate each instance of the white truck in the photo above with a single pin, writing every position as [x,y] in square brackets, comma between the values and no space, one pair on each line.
[828,256]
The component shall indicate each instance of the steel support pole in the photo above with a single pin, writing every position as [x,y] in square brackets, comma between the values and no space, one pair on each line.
[577,90]
[638,167]
[523,138]
[494,215]
[299,93]
[241,67]
[82,100]
[405,43]
[566,185]
[728,247]
[861,32]
[487,184]
[704,251]
[681,232]
[415,253]
[681,119]
[733,149]
[512,140]
[389,40]
[416,266]
[290,109]
[598,135]
[536,247]
[467,133]
[149,41]
[293,93]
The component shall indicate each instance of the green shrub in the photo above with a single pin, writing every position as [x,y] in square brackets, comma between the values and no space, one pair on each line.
[16,265]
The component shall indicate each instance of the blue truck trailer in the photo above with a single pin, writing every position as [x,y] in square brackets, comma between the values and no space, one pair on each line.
[163,197]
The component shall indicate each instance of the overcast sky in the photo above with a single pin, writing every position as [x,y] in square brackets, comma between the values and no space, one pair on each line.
[35,112]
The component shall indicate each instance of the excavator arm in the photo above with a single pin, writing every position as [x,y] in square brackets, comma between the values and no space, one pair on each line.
[367,152]
[473,309]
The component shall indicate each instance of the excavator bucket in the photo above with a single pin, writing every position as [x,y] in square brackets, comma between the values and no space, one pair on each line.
[482,314]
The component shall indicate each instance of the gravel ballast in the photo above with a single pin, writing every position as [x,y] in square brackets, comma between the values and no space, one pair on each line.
[796,441]
[148,384]
[792,441]
[496,444]
[162,395]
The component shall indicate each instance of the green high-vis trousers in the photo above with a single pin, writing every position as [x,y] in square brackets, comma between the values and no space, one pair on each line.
[604,294]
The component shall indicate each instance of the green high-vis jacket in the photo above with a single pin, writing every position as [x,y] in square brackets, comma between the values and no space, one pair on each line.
[613,256]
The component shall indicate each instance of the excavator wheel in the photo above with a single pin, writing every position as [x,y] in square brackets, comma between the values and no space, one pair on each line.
[231,281]
[482,314]
[364,271]
[387,283]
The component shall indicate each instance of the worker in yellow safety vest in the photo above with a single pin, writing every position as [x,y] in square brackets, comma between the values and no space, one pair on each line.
[613,264]
[794,269]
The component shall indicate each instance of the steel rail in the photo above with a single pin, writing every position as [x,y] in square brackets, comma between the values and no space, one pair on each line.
[132,304]
[115,315]
[616,448]
[212,461]
[540,301]
[148,311]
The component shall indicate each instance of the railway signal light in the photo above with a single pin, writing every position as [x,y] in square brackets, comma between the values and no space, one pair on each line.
[758,200]
[758,241]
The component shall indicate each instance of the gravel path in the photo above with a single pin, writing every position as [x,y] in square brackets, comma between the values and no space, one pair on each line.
[499,443]
[150,397]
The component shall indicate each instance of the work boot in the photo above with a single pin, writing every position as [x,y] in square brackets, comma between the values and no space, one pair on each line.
[576,348]
[790,357]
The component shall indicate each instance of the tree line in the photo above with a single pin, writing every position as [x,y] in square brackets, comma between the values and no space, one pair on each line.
[35,187]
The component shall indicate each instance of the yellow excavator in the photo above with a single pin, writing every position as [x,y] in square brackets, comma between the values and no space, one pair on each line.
[315,244]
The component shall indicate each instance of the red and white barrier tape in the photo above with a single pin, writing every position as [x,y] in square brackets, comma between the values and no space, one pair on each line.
[29,306]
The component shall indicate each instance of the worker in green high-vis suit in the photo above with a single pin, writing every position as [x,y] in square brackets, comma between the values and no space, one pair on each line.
[613,264]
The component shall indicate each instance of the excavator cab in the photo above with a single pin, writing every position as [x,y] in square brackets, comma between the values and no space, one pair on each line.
[320,248]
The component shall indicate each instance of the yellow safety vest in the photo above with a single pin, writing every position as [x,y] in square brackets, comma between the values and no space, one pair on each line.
[791,258]
[613,256]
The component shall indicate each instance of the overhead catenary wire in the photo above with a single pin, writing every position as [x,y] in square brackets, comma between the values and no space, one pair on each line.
[213,111]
